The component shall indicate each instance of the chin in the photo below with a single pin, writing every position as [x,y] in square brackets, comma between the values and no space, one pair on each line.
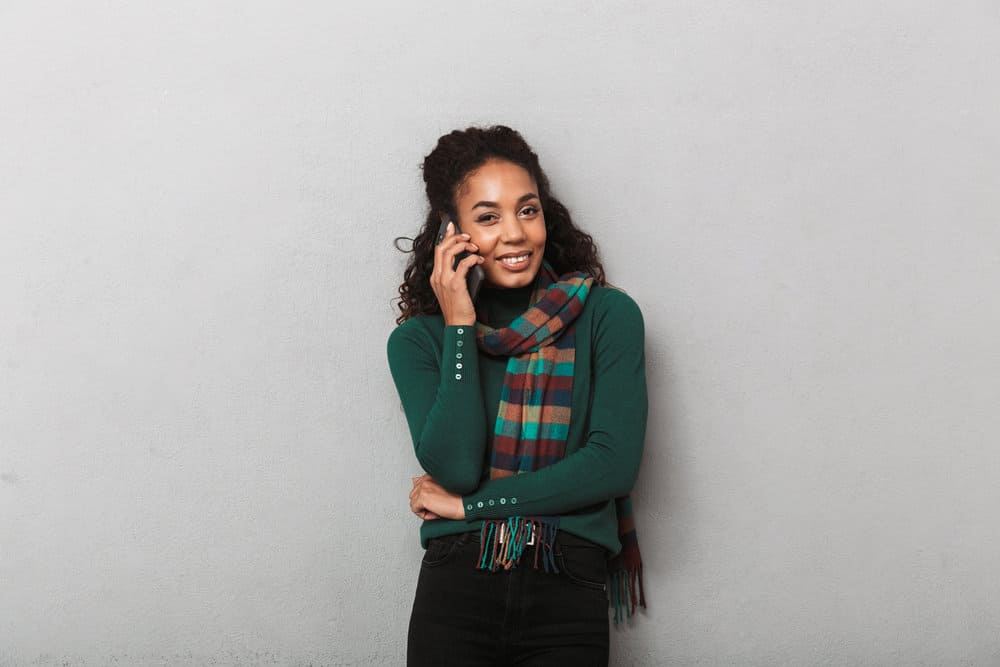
[508,280]
[507,284]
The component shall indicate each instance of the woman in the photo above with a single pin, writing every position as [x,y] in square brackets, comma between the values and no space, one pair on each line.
[527,410]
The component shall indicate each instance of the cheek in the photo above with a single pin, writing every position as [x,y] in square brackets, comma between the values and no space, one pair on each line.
[486,242]
[540,236]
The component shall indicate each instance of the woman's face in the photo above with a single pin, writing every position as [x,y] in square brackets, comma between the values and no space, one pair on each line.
[498,206]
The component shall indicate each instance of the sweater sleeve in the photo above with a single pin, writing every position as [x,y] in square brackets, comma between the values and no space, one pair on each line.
[442,399]
[607,465]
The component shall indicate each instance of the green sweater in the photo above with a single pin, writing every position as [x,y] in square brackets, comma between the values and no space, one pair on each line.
[450,393]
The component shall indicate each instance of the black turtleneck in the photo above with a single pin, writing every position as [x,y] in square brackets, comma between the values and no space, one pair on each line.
[499,306]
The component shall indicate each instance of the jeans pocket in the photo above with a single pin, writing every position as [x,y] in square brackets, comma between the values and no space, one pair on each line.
[584,566]
[440,550]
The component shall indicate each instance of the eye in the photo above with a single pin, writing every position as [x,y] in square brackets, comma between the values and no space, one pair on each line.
[529,210]
[487,219]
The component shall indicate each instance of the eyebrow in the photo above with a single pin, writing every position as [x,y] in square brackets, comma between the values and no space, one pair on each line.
[493,204]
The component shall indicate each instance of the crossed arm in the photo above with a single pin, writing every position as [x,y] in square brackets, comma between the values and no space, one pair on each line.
[448,425]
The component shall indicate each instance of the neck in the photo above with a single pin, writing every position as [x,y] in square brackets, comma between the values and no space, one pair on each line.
[503,305]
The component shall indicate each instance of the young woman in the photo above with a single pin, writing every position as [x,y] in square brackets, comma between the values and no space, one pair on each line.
[527,410]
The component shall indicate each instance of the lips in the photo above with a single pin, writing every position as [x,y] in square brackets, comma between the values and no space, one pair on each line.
[515,260]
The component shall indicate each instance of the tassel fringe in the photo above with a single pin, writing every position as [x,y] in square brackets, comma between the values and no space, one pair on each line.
[623,592]
[502,542]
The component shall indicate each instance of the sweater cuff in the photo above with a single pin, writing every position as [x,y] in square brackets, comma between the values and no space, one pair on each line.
[458,363]
[488,505]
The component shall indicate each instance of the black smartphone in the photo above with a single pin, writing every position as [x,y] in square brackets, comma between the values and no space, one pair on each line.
[474,279]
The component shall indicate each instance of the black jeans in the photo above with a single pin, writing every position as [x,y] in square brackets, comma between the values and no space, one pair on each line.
[466,616]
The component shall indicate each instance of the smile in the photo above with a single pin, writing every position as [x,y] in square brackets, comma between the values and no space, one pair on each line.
[515,260]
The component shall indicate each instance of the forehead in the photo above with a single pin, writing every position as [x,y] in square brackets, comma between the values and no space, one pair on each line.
[496,180]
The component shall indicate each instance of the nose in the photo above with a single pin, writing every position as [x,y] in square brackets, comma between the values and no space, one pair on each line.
[512,230]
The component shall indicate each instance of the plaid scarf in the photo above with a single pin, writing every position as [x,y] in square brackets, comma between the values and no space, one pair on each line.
[533,423]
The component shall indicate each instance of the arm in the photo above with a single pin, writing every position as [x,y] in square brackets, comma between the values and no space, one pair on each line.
[443,403]
[607,465]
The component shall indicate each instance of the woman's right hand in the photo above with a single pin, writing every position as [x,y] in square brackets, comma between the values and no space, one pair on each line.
[449,284]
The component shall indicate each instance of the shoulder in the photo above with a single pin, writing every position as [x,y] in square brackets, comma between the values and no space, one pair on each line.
[617,334]
[612,306]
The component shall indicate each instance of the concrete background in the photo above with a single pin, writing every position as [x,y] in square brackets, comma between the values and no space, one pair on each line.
[202,458]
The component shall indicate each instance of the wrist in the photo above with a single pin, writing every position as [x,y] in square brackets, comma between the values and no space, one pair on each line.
[459,321]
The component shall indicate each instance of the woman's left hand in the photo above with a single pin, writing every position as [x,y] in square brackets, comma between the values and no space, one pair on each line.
[429,500]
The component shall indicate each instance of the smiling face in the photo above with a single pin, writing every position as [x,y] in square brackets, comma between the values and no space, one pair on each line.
[498,206]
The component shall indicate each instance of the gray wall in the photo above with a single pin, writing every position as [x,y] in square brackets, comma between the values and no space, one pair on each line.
[202,457]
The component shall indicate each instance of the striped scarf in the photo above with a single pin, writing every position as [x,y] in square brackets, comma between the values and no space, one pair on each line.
[532,426]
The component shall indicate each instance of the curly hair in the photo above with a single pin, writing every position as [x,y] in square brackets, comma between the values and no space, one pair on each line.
[445,169]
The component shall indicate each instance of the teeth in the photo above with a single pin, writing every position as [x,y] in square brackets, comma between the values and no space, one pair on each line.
[514,261]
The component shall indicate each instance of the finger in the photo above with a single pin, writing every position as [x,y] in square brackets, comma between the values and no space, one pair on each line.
[466,265]
[425,513]
[463,244]
[416,491]
[438,262]
[449,235]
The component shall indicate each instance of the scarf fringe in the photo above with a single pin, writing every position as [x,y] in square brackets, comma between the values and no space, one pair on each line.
[623,592]
[494,554]
[626,592]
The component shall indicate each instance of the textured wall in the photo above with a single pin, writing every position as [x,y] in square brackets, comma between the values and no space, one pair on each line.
[202,458]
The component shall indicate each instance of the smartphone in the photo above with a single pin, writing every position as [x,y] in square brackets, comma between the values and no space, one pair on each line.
[474,279]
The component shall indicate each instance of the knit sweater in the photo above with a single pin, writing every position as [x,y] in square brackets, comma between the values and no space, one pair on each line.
[450,393]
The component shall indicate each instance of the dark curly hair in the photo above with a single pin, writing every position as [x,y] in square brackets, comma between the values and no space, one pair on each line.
[567,248]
